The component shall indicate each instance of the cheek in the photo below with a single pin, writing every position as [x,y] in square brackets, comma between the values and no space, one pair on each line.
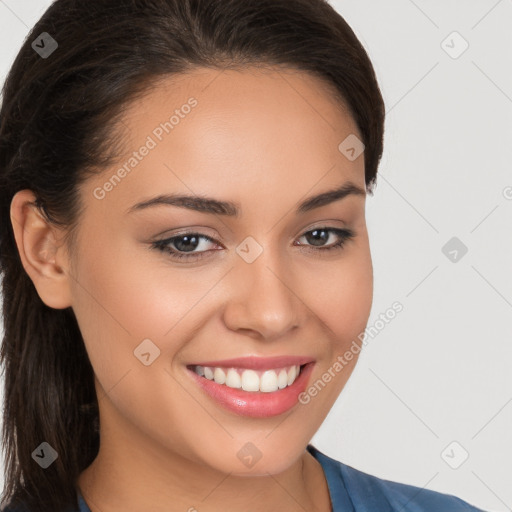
[126,295]
[342,300]
[346,294]
[118,305]
[131,291]
[121,300]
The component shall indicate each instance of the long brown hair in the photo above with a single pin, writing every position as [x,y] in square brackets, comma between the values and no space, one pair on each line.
[57,127]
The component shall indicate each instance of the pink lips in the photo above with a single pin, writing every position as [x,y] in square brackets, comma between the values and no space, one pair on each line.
[256,404]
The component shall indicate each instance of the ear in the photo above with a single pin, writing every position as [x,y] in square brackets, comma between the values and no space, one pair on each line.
[44,259]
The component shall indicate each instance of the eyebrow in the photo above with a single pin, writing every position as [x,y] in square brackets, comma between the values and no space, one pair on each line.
[232,209]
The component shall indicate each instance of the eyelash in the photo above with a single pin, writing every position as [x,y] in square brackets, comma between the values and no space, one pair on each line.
[164,245]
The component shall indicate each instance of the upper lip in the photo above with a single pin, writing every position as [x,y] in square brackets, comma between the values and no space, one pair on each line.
[258,363]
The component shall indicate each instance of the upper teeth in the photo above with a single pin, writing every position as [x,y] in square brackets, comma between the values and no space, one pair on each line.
[251,380]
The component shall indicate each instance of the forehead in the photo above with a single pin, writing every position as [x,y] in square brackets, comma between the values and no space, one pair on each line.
[255,103]
[226,132]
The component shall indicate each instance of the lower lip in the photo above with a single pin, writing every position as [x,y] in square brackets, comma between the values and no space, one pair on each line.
[256,404]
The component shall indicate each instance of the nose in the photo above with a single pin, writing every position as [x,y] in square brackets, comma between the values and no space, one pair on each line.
[262,301]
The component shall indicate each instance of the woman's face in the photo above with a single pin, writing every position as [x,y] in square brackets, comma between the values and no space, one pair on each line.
[259,283]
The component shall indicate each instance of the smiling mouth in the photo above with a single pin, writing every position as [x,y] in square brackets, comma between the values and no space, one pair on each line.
[254,387]
[246,379]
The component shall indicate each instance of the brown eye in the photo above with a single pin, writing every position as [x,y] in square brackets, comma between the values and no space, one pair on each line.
[184,243]
[319,236]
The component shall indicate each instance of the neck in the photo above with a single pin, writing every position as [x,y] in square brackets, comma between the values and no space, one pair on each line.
[132,472]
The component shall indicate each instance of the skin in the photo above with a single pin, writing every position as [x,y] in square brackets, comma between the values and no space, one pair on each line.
[266,139]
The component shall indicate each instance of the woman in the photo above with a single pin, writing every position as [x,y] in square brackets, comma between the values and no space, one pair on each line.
[185,256]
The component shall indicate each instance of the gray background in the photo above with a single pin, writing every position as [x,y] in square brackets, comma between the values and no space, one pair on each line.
[438,372]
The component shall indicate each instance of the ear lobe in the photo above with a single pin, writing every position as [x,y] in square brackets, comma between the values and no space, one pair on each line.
[43,258]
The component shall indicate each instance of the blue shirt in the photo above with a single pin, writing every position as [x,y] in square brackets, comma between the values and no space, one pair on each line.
[352,490]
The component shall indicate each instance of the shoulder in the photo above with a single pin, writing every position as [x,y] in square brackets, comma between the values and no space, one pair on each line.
[402,496]
[368,492]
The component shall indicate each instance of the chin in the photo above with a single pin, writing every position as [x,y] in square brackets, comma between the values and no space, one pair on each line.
[251,460]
